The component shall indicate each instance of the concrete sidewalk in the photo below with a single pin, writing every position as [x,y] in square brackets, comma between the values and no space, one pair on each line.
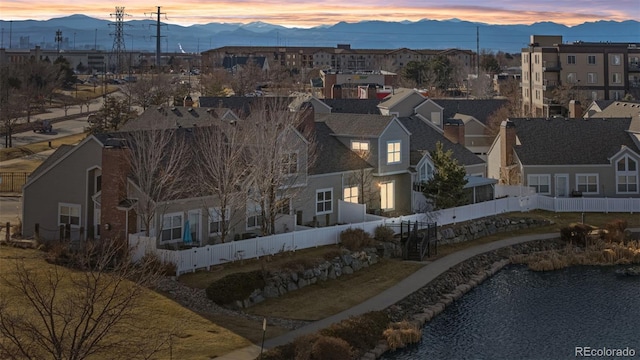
[394,294]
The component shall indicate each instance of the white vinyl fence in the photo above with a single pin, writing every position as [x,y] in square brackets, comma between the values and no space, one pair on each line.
[204,257]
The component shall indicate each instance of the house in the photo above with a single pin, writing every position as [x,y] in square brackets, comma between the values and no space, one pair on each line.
[613,109]
[562,157]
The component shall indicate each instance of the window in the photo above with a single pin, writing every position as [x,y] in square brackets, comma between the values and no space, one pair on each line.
[387,199]
[627,175]
[98,183]
[69,214]
[537,94]
[324,201]
[592,78]
[587,183]
[290,163]
[541,183]
[572,78]
[350,194]
[615,59]
[426,172]
[571,59]
[359,145]
[172,227]
[591,59]
[537,76]
[393,152]
[283,206]
[617,79]
[215,220]
[594,95]
[536,59]
[254,215]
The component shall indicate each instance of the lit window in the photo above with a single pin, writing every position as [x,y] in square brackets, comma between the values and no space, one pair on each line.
[172,227]
[387,199]
[393,152]
[627,175]
[350,194]
[360,145]
[324,201]
[69,214]
[541,183]
[587,183]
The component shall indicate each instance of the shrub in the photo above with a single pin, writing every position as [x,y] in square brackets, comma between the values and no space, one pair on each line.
[355,239]
[299,265]
[615,230]
[401,334]
[330,348]
[282,352]
[163,267]
[361,332]
[576,233]
[234,287]
[383,233]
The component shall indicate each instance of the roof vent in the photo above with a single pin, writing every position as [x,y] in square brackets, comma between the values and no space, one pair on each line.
[159,108]
[173,108]
[190,110]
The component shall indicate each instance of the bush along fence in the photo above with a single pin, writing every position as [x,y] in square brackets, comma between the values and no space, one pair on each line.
[204,257]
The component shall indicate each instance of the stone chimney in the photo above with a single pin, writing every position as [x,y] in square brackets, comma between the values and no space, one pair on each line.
[336,91]
[454,131]
[188,101]
[507,143]
[575,109]
[115,168]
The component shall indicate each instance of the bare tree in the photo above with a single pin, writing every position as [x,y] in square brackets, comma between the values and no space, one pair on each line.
[12,107]
[158,160]
[221,171]
[363,178]
[246,78]
[278,155]
[90,311]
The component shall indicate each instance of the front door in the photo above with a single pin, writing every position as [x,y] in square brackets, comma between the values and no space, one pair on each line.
[562,185]
[194,225]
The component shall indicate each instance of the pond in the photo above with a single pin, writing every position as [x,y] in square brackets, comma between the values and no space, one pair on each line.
[521,314]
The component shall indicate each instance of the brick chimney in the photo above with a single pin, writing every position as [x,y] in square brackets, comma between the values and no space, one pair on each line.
[307,120]
[507,143]
[454,130]
[115,168]
[336,91]
[188,101]
[575,109]
[372,92]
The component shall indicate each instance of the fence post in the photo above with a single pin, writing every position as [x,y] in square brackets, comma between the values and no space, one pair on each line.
[8,235]
[81,233]
[61,232]
[36,232]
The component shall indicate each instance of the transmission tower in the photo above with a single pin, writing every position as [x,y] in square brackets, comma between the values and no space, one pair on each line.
[118,38]
[58,38]
[158,36]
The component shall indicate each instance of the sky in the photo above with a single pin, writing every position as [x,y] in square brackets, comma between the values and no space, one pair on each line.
[310,13]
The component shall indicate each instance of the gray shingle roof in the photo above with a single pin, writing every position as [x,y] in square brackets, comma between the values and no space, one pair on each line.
[358,125]
[480,109]
[332,155]
[424,138]
[353,106]
[619,109]
[241,105]
[559,141]
[60,152]
[166,117]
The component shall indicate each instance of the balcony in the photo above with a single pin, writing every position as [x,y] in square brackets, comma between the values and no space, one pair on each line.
[551,66]
[634,66]
[549,84]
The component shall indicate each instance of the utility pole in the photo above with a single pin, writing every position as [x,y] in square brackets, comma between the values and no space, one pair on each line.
[95,41]
[478,50]
[158,36]
[10,32]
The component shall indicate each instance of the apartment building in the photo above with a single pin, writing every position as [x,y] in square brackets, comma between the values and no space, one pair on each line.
[581,70]
[339,58]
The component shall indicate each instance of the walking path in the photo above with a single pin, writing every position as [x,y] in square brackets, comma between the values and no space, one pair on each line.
[394,294]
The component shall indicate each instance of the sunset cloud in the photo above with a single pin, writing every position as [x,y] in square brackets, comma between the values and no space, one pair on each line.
[312,13]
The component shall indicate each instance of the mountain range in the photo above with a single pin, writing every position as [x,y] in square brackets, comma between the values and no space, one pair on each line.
[83,32]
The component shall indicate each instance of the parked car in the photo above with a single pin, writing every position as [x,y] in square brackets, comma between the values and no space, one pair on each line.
[42,126]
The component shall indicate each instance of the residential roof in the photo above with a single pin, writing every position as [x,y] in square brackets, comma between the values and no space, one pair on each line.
[60,152]
[424,138]
[241,105]
[619,109]
[358,125]
[560,141]
[166,117]
[332,156]
[480,109]
[397,97]
[353,106]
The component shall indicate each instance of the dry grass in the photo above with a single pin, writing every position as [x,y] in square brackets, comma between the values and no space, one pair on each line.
[196,337]
[401,334]
[34,148]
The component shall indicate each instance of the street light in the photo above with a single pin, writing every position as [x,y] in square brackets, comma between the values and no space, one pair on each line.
[74,41]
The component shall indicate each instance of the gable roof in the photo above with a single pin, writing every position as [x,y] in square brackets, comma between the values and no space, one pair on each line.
[353,106]
[241,105]
[480,109]
[559,141]
[167,117]
[398,96]
[424,138]
[357,125]
[619,109]
[332,155]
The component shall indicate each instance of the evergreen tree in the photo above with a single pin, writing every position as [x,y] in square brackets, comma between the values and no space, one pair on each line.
[446,188]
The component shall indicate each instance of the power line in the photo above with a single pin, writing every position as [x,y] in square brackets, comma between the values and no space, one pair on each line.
[119,45]
[158,36]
